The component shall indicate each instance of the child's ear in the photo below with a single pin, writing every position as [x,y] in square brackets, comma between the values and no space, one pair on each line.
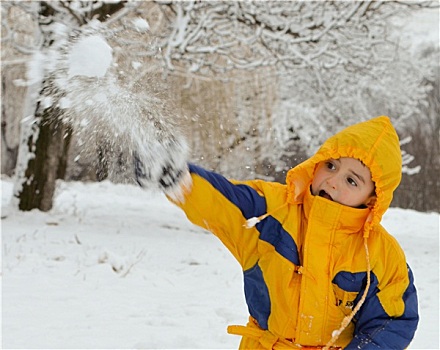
[371,201]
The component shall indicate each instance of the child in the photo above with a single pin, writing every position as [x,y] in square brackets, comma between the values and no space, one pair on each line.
[319,269]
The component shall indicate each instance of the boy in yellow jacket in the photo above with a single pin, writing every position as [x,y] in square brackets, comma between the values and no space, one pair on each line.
[319,269]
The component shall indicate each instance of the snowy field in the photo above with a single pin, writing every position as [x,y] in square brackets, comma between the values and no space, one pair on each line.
[112,266]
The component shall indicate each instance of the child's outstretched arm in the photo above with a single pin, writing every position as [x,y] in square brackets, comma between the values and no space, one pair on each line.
[376,329]
[222,207]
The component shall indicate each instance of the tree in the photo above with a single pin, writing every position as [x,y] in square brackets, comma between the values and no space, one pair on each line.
[41,159]
[422,190]
[335,64]
[212,37]
[322,46]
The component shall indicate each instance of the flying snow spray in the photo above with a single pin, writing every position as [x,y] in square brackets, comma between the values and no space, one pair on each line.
[100,109]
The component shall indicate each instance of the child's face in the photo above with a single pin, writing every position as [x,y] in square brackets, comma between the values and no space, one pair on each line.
[344,180]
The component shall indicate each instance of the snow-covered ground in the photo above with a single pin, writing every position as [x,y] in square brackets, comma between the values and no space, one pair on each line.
[113,266]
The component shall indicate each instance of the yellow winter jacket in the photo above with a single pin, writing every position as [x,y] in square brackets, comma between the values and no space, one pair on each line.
[307,260]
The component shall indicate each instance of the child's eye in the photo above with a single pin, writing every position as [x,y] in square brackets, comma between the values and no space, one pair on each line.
[351,181]
[330,165]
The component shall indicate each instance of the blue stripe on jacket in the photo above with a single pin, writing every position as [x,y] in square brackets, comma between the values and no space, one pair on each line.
[243,197]
[257,295]
[271,231]
[252,204]
[374,329]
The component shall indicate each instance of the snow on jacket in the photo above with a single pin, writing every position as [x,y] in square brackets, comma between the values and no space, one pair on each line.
[305,263]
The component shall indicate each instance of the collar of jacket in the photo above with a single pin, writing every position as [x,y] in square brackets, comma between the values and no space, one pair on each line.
[333,215]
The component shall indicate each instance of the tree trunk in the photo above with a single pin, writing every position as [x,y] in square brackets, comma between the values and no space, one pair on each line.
[44,145]
[45,142]
[43,169]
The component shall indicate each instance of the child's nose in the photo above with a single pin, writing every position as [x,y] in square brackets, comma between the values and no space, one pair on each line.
[332,182]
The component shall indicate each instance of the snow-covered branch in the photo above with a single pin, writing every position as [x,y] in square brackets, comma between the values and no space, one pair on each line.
[293,33]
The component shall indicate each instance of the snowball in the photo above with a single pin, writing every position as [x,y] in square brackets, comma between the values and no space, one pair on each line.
[91,57]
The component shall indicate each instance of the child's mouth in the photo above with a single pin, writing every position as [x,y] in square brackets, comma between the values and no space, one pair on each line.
[325,195]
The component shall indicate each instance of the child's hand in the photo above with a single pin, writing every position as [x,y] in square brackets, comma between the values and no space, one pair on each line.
[168,176]
[177,193]
[172,178]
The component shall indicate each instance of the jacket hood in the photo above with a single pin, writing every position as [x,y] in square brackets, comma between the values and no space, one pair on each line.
[376,144]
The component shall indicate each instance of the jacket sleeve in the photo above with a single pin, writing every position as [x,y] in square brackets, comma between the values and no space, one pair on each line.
[376,329]
[222,207]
